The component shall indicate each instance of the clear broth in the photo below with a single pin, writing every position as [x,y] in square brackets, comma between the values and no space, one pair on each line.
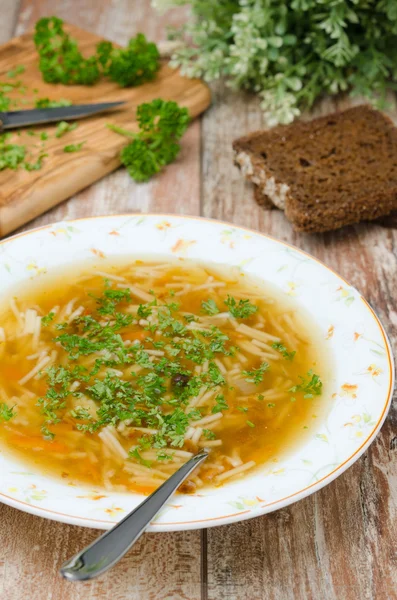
[260,421]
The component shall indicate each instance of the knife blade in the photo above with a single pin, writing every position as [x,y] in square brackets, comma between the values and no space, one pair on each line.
[37,116]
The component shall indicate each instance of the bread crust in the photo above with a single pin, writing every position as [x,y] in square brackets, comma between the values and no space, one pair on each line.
[326,173]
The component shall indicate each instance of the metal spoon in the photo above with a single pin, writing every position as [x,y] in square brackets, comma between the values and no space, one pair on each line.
[107,550]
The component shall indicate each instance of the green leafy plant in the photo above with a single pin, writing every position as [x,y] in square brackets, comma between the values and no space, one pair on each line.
[291,51]
[161,125]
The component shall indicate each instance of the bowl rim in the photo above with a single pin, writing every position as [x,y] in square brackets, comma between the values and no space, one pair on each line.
[241,515]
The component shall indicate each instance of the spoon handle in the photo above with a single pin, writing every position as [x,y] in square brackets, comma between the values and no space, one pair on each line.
[107,550]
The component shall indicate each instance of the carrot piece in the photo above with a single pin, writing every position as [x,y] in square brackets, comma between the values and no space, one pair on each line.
[13,372]
[146,490]
[37,443]
[135,335]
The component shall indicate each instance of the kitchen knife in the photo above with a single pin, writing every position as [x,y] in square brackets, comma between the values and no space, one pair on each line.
[40,116]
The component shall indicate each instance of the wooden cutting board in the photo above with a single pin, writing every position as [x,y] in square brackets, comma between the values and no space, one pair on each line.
[23,194]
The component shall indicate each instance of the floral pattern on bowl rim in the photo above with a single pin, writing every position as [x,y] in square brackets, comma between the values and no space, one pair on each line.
[361,391]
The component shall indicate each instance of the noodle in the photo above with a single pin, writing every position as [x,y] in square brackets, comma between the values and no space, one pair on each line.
[141,294]
[196,435]
[236,471]
[210,443]
[109,438]
[209,419]
[15,311]
[35,370]
[258,335]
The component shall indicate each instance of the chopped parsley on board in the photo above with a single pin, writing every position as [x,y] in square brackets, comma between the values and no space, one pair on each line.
[73,147]
[14,156]
[11,155]
[47,103]
[162,123]
[18,70]
[64,127]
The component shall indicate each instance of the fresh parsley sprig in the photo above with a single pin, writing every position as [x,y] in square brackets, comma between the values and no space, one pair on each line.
[162,123]
[60,59]
[131,66]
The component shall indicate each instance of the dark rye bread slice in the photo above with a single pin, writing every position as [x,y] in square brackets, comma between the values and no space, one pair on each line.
[326,173]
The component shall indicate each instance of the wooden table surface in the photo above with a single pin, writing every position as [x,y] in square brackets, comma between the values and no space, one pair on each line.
[340,543]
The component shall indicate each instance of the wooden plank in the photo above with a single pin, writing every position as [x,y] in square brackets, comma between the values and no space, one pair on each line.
[339,543]
[9,14]
[163,565]
[159,566]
